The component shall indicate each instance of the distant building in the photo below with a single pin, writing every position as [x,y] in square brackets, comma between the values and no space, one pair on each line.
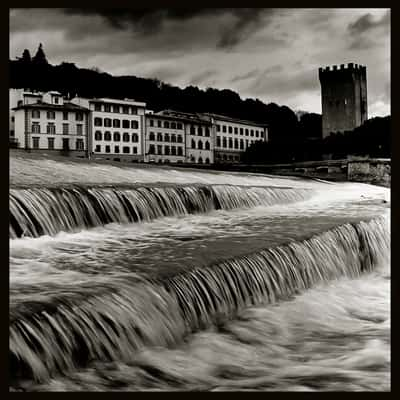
[46,122]
[164,139]
[234,136]
[116,129]
[199,143]
[344,97]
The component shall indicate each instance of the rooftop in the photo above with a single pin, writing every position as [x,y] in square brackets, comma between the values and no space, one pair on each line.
[125,101]
[48,106]
[235,120]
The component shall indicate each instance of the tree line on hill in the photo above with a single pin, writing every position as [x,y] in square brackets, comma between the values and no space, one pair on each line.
[289,136]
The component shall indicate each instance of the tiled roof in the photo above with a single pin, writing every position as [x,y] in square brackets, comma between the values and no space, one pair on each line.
[48,106]
[235,120]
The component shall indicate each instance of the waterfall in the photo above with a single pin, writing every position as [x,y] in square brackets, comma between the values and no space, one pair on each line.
[47,211]
[113,324]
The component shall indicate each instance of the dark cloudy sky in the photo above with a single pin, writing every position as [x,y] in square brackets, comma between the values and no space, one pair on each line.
[270,54]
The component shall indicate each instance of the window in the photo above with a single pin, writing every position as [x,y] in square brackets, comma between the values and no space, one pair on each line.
[125,110]
[178,125]
[35,127]
[247,132]
[151,149]
[218,128]
[218,141]
[173,138]
[65,142]
[79,144]
[159,137]
[159,124]
[50,143]
[207,145]
[207,132]
[134,149]
[135,138]
[12,133]
[236,144]
[230,143]
[200,145]
[224,128]
[116,109]
[126,124]
[252,133]
[79,129]
[134,110]
[51,115]
[116,123]
[97,107]
[117,137]
[151,122]
[107,136]
[51,128]
[256,133]
[241,144]
[116,149]
[108,148]
[65,115]
[134,125]
[35,142]
[166,124]
[107,107]
[180,151]
[55,100]
[166,137]
[152,136]
[179,138]
[126,137]
[261,134]
[173,125]
[192,130]
[107,122]
[166,150]
[65,129]
[159,150]
[98,121]
[230,129]
[79,116]
[200,131]
[173,150]
[98,135]
[224,142]
[193,144]
[12,118]
[126,150]
[98,148]
[236,130]
[241,131]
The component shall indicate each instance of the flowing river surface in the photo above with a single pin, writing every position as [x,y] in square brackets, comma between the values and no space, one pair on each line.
[140,278]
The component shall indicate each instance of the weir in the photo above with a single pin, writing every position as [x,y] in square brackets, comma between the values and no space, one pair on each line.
[48,210]
[112,325]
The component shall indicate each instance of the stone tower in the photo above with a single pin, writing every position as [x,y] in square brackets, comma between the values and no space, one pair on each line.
[344,97]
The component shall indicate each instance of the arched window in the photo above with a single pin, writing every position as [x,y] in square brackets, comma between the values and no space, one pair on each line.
[192,130]
[159,137]
[207,132]
[207,161]
[116,123]
[98,121]
[117,137]
[135,137]
[125,137]
[200,131]
[107,136]
[166,137]
[151,136]
[173,125]
[107,122]
[193,144]
[200,160]
[207,145]
[200,145]
[98,135]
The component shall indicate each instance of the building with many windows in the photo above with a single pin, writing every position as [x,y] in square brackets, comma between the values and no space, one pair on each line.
[233,136]
[47,122]
[116,128]
[199,146]
[164,139]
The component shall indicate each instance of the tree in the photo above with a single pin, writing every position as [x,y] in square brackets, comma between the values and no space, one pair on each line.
[40,57]
[26,56]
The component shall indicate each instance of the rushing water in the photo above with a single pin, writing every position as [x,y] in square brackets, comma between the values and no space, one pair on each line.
[186,280]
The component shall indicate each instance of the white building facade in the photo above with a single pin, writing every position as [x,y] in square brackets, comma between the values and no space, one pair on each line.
[47,122]
[233,136]
[116,129]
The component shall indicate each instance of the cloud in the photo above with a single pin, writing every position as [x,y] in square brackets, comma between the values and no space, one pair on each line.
[202,77]
[367,22]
